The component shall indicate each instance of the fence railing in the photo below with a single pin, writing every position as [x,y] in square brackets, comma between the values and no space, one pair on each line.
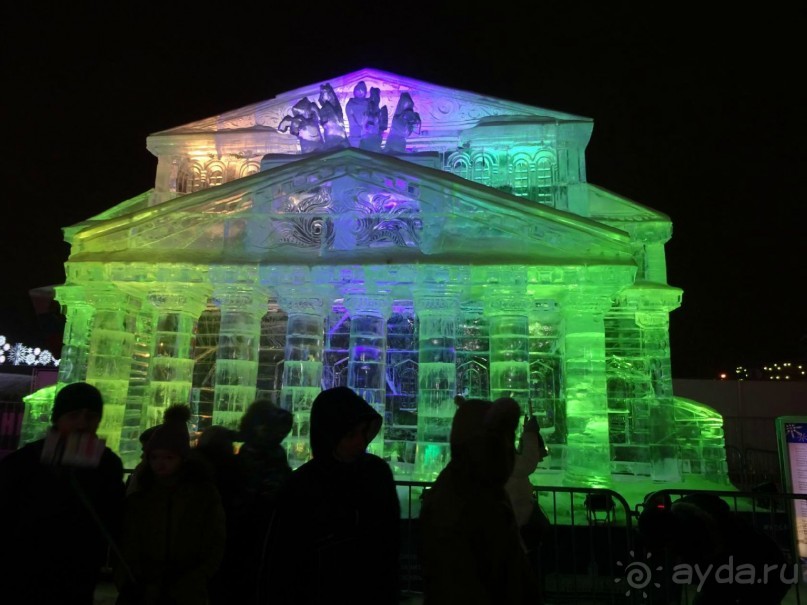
[751,468]
[590,538]
[593,541]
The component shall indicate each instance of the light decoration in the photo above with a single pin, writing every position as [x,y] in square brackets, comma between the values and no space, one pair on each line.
[20,355]
[785,370]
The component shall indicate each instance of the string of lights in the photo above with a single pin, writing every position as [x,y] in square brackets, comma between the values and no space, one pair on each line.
[19,354]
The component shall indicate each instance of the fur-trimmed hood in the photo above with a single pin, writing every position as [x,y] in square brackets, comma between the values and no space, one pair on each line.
[334,413]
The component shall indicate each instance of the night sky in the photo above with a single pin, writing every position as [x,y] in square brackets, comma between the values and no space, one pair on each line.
[697,115]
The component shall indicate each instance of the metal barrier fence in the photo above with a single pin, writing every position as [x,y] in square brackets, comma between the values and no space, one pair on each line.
[589,543]
[593,544]
[752,468]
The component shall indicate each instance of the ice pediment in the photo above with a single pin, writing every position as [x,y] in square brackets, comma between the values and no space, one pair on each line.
[351,204]
[441,111]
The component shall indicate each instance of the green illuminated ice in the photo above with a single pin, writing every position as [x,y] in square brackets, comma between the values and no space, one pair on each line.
[452,246]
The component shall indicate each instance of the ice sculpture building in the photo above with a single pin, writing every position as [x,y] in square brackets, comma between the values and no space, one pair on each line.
[408,240]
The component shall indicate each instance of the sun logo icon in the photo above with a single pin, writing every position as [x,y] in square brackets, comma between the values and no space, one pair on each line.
[638,574]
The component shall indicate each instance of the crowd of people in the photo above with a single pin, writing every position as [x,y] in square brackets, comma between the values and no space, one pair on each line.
[205,522]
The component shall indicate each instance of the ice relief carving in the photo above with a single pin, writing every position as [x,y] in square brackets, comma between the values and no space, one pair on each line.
[358,218]
[320,127]
[356,109]
[384,220]
[375,122]
[405,121]
[304,124]
[331,118]
[303,218]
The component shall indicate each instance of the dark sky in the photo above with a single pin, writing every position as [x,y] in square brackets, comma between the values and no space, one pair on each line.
[698,115]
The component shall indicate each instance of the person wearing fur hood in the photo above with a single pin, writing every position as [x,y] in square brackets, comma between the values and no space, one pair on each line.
[336,535]
[174,523]
[470,548]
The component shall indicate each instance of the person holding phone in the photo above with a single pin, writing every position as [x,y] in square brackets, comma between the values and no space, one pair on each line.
[533,523]
[61,500]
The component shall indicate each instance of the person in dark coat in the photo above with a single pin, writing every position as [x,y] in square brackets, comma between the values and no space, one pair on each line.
[470,548]
[262,458]
[336,534]
[60,504]
[177,412]
[174,527]
[701,532]
[264,468]
[216,448]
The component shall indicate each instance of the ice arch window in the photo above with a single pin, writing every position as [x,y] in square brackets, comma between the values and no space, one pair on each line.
[545,179]
[459,165]
[215,174]
[249,168]
[190,178]
[483,169]
[521,177]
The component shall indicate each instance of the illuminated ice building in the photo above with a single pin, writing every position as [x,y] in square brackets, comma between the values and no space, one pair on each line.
[407,240]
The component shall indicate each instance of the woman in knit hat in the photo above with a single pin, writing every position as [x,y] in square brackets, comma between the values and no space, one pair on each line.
[174,414]
[174,526]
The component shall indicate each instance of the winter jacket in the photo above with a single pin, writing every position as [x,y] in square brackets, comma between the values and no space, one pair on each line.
[469,544]
[53,549]
[264,468]
[336,532]
[173,538]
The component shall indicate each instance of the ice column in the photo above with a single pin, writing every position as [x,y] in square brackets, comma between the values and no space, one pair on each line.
[242,308]
[368,353]
[171,371]
[437,380]
[78,325]
[73,364]
[473,353]
[509,346]
[302,367]
[137,394]
[664,454]
[110,356]
[587,450]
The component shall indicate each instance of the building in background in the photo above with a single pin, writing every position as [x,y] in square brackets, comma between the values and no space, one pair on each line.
[407,240]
